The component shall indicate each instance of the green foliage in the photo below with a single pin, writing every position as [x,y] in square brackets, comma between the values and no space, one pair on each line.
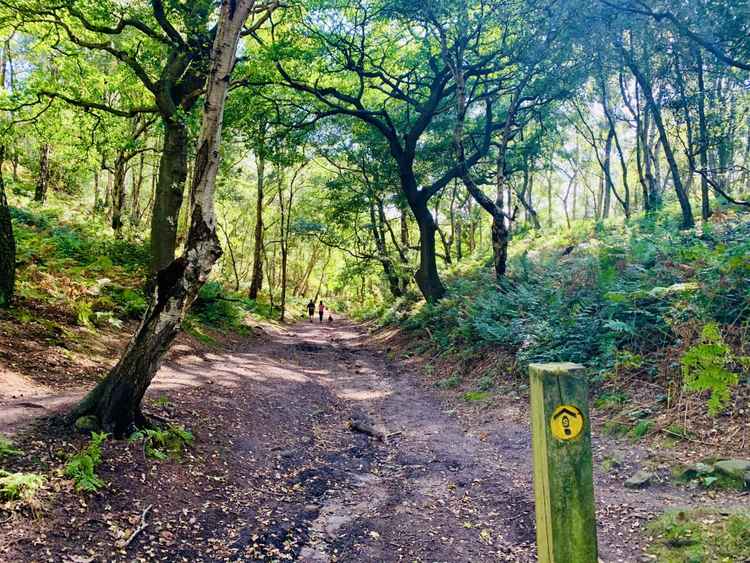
[20,486]
[694,536]
[163,443]
[473,396]
[81,467]
[214,308]
[641,428]
[611,399]
[704,368]
[486,382]
[129,303]
[84,313]
[618,300]
[449,382]
[194,329]
[7,449]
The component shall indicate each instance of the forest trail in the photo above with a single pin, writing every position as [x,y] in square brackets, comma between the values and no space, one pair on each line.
[276,469]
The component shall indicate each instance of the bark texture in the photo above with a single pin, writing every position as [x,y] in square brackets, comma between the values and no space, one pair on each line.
[169,193]
[256,284]
[42,183]
[7,244]
[116,401]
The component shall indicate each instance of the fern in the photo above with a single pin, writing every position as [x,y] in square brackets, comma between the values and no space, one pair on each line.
[82,466]
[704,368]
[160,444]
[20,486]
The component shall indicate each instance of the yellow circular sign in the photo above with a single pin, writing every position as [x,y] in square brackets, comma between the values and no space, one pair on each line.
[566,422]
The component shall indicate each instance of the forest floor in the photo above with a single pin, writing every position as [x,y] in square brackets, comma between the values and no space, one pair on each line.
[276,474]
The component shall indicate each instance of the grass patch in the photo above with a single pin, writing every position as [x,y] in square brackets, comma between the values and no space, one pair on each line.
[195,330]
[473,396]
[681,536]
[7,449]
[641,429]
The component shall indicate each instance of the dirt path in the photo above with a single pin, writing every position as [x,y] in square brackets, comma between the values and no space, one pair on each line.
[277,475]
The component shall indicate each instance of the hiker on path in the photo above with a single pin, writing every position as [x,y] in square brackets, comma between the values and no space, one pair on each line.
[321,310]
[311,309]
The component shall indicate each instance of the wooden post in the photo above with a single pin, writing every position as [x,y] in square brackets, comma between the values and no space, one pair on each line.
[563,473]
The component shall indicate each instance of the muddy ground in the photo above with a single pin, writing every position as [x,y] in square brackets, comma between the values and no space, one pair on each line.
[276,474]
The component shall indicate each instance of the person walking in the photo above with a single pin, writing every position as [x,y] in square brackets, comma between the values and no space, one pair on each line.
[311,309]
[321,310]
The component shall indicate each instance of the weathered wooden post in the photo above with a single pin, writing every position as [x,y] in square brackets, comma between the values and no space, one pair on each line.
[563,472]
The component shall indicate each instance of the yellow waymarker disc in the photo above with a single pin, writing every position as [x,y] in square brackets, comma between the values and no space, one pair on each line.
[566,422]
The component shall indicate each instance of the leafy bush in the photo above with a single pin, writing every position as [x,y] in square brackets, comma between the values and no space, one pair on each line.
[81,467]
[214,308]
[127,302]
[162,443]
[704,368]
[25,217]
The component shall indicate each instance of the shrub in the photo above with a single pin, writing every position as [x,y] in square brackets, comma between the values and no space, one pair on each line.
[81,467]
[704,368]
[213,308]
[128,302]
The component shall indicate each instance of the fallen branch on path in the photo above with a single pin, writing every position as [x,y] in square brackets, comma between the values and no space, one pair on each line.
[142,525]
[365,428]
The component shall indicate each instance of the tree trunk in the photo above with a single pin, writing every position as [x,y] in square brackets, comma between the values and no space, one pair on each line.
[116,401]
[7,244]
[703,141]
[135,207]
[42,184]
[427,276]
[284,245]
[108,192]
[377,217]
[256,283]
[500,238]
[97,173]
[607,169]
[169,194]
[118,194]
[687,212]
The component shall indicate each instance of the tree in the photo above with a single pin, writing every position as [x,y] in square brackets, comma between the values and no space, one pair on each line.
[116,400]
[165,49]
[364,73]
[529,78]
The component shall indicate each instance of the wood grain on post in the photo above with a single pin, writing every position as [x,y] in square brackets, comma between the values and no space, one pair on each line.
[563,480]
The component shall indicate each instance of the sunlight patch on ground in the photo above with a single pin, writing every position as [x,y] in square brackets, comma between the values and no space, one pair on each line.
[362,394]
